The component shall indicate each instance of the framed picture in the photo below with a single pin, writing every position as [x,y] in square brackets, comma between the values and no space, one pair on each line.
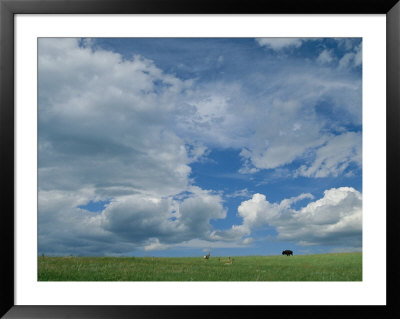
[220,157]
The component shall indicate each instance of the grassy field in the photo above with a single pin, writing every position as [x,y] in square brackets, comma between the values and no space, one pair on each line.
[323,267]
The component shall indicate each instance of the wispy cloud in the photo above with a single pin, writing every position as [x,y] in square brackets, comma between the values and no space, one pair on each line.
[278,44]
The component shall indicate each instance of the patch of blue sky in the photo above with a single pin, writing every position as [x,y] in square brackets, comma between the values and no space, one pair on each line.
[221,172]
[181,196]
[327,110]
[220,167]
[313,46]
[160,86]
[95,206]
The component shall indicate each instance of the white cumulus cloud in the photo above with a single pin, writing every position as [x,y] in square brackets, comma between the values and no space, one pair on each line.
[335,219]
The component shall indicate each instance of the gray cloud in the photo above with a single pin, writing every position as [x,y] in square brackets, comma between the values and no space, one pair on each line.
[127,222]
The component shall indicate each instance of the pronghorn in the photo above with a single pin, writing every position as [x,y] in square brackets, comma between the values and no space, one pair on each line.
[207,256]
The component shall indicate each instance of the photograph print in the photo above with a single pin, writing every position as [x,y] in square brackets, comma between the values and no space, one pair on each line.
[199,159]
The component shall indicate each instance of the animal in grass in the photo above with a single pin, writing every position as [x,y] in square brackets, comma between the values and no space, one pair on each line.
[207,256]
[230,261]
[287,252]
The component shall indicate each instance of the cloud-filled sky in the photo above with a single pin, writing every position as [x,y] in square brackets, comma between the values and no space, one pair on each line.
[180,146]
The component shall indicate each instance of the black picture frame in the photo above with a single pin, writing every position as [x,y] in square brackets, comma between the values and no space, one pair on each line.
[9,8]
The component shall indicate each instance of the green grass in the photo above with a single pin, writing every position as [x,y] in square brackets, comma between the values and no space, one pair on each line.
[322,267]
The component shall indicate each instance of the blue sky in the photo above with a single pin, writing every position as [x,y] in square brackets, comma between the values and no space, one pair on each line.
[183,146]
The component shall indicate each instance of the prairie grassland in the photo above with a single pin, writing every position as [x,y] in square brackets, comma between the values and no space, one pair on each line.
[320,267]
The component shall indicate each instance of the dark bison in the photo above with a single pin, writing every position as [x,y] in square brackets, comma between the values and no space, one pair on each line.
[287,252]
